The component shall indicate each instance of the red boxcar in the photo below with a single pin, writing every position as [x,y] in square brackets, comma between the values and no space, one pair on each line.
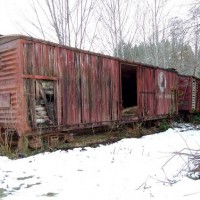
[45,87]
[189,94]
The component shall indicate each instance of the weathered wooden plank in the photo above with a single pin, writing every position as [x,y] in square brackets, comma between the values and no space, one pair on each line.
[31,101]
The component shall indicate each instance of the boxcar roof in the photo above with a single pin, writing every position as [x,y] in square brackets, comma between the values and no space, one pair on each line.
[192,76]
[9,38]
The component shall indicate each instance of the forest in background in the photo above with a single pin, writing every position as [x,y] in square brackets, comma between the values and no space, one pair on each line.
[163,33]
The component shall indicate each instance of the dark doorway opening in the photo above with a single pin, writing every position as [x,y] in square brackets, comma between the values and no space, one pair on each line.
[129,89]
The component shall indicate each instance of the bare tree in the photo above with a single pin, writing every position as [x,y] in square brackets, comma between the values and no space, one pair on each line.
[117,24]
[154,23]
[68,21]
[177,39]
[194,23]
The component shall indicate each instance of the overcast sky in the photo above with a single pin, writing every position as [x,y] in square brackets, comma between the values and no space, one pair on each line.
[11,19]
[10,15]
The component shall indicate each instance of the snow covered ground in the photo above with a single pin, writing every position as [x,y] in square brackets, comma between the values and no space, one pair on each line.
[141,169]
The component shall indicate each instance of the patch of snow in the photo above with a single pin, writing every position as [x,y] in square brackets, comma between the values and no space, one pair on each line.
[144,168]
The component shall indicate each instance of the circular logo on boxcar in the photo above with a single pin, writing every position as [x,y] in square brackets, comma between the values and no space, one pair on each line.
[162,81]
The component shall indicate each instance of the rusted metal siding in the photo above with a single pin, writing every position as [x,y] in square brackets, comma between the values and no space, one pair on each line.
[8,85]
[189,94]
[90,88]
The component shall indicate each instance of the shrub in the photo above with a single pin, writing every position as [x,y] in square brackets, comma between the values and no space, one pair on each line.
[196,119]
[164,125]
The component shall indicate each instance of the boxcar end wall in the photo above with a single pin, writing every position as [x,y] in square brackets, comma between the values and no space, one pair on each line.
[189,94]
